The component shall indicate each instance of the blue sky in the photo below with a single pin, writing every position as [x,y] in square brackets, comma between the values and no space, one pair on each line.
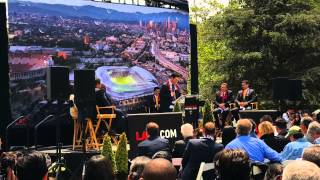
[118,7]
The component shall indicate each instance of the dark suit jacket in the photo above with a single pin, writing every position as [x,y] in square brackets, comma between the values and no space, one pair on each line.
[152,145]
[197,151]
[249,98]
[151,104]
[218,100]
[166,99]
[180,147]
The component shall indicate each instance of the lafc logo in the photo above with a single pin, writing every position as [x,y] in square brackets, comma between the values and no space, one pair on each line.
[167,133]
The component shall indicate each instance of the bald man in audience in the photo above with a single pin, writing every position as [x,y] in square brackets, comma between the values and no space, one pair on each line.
[312,154]
[301,170]
[159,169]
[256,148]
[180,146]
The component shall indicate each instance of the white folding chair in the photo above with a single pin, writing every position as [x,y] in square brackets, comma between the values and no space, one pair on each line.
[203,168]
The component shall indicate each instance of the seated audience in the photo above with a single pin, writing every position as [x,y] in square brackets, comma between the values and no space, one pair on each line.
[274,172]
[256,148]
[233,164]
[180,146]
[304,124]
[266,118]
[154,143]
[301,170]
[253,130]
[313,133]
[294,149]
[137,166]
[32,166]
[228,133]
[163,154]
[312,154]
[159,169]
[200,150]
[266,131]
[281,127]
[98,168]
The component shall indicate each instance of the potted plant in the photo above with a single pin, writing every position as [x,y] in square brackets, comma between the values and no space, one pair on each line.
[107,152]
[121,157]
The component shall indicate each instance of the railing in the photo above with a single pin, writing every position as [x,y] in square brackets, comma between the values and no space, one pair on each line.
[36,127]
[7,131]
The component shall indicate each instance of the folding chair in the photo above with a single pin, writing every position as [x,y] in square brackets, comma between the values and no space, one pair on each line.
[203,168]
[102,116]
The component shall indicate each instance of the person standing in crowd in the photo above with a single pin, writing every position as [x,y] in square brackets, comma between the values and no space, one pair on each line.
[180,145]
[294,149]
[102,100]
[169,92]
[154,143]
[153,103]
[301,170]
[256,148]
[223,98]
[159,169]
[200,150]
[281,127]
[313,133]
[233,164]
[244,98]
[266,132]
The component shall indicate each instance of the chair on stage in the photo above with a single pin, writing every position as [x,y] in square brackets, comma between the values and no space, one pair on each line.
[254,105]
[103,115]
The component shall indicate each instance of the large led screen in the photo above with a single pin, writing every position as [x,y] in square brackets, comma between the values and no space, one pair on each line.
[132,48]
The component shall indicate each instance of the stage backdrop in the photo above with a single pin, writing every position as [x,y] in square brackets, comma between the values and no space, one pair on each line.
[132,48]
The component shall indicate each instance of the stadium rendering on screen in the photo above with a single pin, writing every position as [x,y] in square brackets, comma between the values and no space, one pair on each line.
[132,48]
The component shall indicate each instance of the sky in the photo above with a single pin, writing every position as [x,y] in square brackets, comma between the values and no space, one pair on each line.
[118,7]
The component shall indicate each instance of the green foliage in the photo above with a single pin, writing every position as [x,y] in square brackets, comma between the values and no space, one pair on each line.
[107,152]
[121,155]
[177,107]
[207,114]
[259,40]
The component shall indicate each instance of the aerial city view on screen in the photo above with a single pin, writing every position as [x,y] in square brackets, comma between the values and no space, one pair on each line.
[132,48]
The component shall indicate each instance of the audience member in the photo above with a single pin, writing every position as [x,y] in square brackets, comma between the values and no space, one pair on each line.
[154,143]
[228,133]
[180,146]
[163,154]
[305,124]
[200,150]
[266,118]
[233,164]
[294,149]
[288,115]
[313,133]
[31,165]
[281,127]
[159,169]
[274,172]
[253,129]
[301,170]
[256,148]
[266,131]
[98,168]
[137,166]
[312,154]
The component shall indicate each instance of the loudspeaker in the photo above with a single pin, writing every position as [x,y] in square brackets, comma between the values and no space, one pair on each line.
[280,88]
[84,85]
[58,83]
[295,87]
[194,60]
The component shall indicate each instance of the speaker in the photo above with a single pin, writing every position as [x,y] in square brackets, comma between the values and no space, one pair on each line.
[58,83]
[194,60]
[84,85]
[280,88]
[295,89]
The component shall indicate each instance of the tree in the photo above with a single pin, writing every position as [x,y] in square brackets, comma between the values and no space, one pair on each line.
[121,155]
[207,114]
[107,152]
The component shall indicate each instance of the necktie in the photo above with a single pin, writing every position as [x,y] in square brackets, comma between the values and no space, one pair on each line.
[244,94]
[157,101]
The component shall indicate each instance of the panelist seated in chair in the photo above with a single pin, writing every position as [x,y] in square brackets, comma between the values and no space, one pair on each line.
[222,101]
[244,98]
[153,103]
[102,100]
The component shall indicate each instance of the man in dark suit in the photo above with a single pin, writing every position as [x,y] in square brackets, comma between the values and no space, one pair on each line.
[154,143]
[244,98]
[221,103]
[169,92]
[200,150]
[153,103]
[103,99]
[180,145]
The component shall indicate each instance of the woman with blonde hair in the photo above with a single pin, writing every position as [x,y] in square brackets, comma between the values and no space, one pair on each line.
[266,133]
